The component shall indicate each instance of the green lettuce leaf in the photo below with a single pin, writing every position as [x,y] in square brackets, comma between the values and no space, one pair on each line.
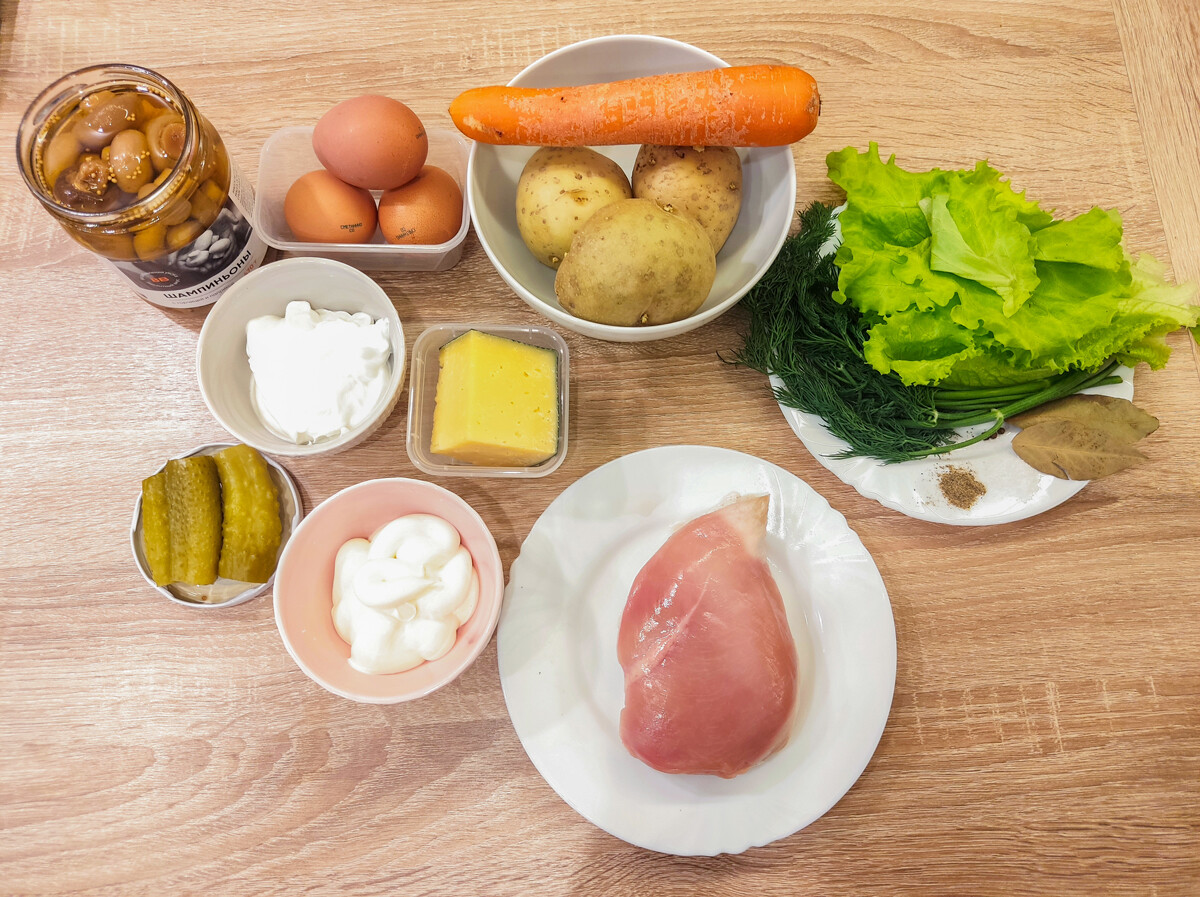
[888,212]
[991,368]
[978,241]
[987,179]
[965,282]
[920,347]
[1069,302]
[890,279]
[1163,306]
[1092,239]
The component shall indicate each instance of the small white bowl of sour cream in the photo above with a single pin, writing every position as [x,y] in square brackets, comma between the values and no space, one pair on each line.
[223,367]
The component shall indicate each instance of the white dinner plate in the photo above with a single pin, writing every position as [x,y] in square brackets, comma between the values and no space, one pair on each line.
[557,645]
[1014,489]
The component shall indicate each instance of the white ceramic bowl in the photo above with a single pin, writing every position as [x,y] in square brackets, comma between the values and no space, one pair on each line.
[768,197]
[224,370]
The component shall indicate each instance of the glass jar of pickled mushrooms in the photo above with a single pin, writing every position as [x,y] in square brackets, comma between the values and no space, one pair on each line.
[132,171]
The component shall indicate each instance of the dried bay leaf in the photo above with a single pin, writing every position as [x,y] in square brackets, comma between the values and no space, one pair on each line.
[1074,451]
[1120,417]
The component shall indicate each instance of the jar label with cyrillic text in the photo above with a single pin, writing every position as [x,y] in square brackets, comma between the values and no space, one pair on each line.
[198,273]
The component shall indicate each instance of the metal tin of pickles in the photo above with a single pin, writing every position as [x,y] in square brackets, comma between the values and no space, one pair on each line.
[132,171]
[223,592]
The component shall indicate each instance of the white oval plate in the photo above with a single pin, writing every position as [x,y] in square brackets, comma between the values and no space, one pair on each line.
[557,646]
[1014,489]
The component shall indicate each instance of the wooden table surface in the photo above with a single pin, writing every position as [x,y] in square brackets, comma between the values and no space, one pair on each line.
[1045,732]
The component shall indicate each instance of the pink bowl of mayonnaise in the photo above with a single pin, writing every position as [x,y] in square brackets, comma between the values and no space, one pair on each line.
[402,570]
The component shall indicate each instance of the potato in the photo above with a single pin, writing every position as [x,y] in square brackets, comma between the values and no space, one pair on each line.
[635,263]
[560,189]
[704,183]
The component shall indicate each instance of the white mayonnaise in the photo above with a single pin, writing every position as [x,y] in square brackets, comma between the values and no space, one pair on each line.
[314,373]
[399,597]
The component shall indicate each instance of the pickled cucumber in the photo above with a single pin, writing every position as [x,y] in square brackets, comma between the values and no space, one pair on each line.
[194,500]
[252,528]
[156,527]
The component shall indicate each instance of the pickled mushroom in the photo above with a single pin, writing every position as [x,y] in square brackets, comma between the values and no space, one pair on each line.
[93,100]
[166,136]
[204,208]
[92,175]
[112,246]
[150,108]
[87,186]
[179,213]
[62,152]
[129,158]
[104,122]
[182,234]
[151,242]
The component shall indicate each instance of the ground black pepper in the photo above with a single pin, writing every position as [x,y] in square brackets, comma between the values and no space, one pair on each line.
[960,487]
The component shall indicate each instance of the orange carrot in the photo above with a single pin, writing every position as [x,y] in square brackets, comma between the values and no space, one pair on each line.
[752,105]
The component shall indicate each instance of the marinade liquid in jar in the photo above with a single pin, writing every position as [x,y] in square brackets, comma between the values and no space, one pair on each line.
[125,163]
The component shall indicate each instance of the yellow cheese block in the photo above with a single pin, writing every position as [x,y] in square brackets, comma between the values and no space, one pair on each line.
[497,402]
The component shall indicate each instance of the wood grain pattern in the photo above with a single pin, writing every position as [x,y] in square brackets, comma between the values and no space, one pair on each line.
[1162,44]
[1045,733]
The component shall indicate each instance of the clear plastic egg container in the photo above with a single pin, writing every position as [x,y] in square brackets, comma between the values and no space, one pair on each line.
[288,154]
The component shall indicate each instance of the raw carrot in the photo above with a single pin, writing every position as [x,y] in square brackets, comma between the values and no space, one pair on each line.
[752,105]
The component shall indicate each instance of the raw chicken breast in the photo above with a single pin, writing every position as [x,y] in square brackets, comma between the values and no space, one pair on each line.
[710,665]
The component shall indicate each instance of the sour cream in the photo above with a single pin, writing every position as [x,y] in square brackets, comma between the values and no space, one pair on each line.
[400,596]
[316,374]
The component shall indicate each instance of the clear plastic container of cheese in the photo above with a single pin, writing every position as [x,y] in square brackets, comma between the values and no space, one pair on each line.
[422,398]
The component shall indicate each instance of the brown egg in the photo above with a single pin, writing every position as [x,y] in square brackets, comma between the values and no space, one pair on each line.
[319,208]
[371,141]
[428,209]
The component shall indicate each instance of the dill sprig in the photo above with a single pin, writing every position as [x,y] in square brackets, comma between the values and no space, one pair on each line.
[813,344]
